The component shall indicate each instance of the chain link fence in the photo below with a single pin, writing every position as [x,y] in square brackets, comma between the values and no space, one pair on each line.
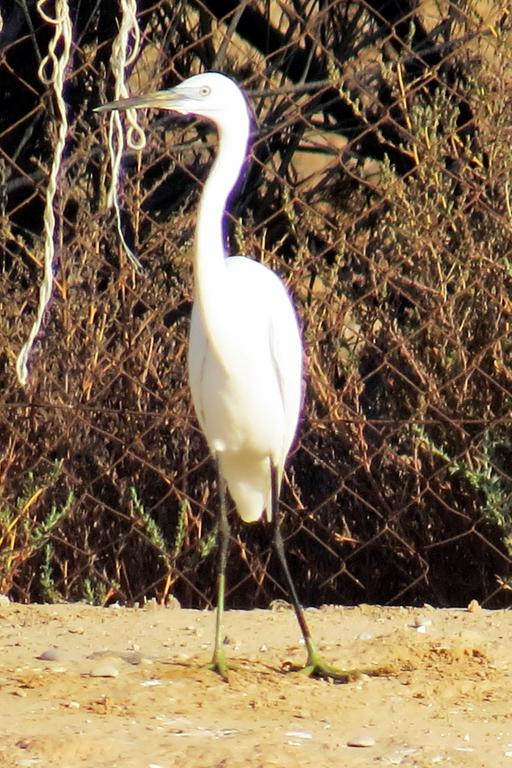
[378,188]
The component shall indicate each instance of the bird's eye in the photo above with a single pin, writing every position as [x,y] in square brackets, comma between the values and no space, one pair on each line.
[204,90]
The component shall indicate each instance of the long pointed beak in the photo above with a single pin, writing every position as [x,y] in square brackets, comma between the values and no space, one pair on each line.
[156,99]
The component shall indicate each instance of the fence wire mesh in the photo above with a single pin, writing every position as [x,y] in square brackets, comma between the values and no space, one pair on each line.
[378,188]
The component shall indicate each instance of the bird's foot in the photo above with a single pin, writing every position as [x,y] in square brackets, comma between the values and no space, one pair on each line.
[319,668]
[220,665]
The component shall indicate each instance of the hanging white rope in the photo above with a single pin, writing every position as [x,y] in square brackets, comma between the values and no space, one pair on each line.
[52,73]
[129,34]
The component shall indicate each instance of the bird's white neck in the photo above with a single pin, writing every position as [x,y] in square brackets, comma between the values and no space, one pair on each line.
[211,289]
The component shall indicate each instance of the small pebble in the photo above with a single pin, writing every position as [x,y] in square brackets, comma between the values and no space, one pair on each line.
[400,755]
[364,740]
[133,657]
[421,621]
[299,734]
[4,600]
[51,654]
[76,630]
[104,669]
[474,606]
[364,636]
[280,605]
[23,744]
[172,602]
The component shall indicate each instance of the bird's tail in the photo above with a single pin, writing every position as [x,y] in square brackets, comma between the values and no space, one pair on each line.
[249,486]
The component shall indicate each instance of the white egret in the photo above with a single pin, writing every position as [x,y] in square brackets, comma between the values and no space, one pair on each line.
[245,351]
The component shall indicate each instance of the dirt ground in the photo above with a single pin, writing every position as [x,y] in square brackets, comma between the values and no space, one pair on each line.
[84,686]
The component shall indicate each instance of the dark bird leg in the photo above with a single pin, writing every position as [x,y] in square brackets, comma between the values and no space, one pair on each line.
[219,663]
[315,665]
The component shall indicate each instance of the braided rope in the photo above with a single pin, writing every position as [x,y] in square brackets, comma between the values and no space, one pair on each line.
[119,60]
[52,73]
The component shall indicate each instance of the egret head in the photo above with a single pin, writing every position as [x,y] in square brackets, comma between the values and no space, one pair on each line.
[211,95]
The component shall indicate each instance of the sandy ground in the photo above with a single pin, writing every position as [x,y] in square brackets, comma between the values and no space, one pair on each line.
[83,686]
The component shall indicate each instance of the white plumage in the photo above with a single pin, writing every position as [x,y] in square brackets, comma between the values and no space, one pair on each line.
[245,351]
[247,399]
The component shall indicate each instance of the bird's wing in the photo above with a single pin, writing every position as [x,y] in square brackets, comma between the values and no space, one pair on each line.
[271,323]
[286,355]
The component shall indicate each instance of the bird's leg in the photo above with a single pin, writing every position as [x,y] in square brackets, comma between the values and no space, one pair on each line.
[219,663]
[315,665]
